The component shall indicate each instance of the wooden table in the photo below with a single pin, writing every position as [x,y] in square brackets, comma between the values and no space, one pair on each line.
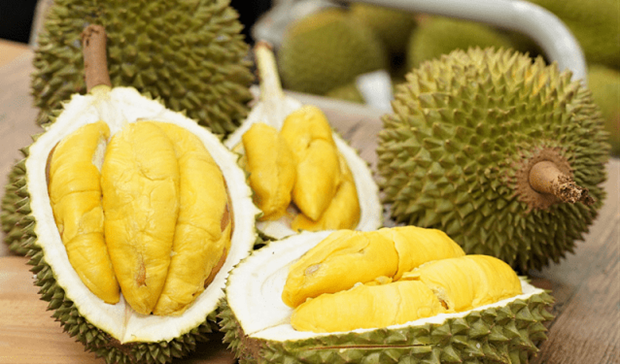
[586,285]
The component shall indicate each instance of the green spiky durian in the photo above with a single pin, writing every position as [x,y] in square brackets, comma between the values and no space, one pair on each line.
[457,152]
[392,26]
[14,208]
[257,329]
[327,49]
[436,36]
[605,85]
[190,54]
[594,24]
[115,331]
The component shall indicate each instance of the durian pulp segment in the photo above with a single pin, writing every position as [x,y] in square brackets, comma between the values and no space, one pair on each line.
[254,292]
[117,320]
[348,257]
[274,113]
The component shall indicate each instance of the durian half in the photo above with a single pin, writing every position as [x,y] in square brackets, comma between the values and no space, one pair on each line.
[115,331]
[273,108]
[258,330]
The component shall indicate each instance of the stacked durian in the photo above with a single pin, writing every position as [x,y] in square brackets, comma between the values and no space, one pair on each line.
[589,22]
[325,52]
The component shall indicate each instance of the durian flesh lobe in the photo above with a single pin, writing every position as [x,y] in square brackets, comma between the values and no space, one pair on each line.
[113,331]
[506,331]
[465,132]
[189,54]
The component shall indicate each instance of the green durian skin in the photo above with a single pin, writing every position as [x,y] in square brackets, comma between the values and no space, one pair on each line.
[595,24]
[462,129]
[14,208]
[436,36]
[189,54]
[495,335]
[605,85]
[326,50]
[392,26]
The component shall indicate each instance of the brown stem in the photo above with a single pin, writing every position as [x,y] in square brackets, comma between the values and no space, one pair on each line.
[95,59]
[546,178]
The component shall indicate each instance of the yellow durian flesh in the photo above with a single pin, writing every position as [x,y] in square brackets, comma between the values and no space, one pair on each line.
[347,257]
[202,232]
[309,135]
[161,202]
[343,211]
[469,281]
[140,181]
[342,259]
[75,194]
[271,165]
[367,306]
[416,246]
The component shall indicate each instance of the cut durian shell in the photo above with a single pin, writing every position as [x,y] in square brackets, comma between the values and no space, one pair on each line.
[114,331]
[272,108]
[256,322]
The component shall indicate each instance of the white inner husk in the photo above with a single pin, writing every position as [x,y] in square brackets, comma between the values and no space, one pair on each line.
[255,287]
[273,112]
[119,107]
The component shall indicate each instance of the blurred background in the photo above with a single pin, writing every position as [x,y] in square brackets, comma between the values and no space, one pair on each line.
[360,53]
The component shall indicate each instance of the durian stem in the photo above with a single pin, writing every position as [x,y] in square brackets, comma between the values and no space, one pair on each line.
[270,86]
[95,58]
[546,178]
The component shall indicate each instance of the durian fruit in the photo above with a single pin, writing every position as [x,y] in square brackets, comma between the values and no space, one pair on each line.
[189,54]
[137,213]
[605,85]
[437,35]
[304,176]
[392,26]
[594,24]
[503,153]
[258,329]
[327,49]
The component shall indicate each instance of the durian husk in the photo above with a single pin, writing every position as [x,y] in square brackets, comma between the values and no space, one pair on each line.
[257,328]
[465,132]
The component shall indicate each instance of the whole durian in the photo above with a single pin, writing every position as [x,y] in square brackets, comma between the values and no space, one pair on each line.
[392,26]
[595,24]
[459,150]
[135,216]
[327,49]
[605,85]
[190,54]
[438,35]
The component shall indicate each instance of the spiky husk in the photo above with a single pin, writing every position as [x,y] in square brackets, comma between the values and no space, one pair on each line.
[188,53]
[505,335]
[464,126]
[15,207]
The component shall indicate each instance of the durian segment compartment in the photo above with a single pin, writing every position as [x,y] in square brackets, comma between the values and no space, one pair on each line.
[124,106]
[254,292]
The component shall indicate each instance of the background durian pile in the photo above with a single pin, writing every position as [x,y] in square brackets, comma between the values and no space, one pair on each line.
[326,51]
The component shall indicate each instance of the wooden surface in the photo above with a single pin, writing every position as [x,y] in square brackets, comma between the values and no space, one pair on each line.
[586,285]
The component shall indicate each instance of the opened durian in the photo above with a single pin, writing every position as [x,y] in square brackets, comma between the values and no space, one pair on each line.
[137,214]
[445,308]
[303,175]
[190,55]
[504,154]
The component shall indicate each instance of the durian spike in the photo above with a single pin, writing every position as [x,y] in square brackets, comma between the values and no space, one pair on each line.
[546,178]
[270,85]
[96,72]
